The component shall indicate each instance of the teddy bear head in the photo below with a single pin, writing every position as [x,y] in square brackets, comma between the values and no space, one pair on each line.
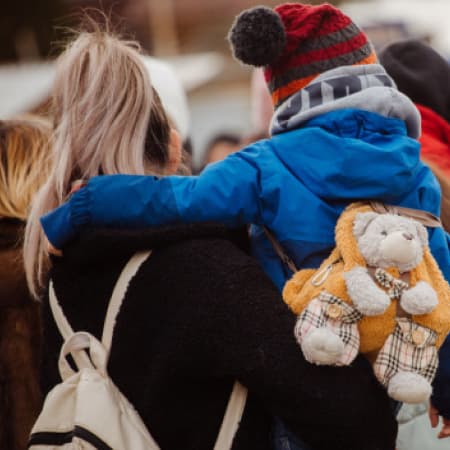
[388,240]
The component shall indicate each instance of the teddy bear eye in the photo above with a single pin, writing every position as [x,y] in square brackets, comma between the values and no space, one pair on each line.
[384,233]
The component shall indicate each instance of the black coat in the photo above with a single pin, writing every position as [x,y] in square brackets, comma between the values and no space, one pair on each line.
[198,315]
[20,333]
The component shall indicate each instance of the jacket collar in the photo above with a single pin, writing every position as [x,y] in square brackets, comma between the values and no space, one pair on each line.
[366,87]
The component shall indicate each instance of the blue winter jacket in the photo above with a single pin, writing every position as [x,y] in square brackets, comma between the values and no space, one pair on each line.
[296,183]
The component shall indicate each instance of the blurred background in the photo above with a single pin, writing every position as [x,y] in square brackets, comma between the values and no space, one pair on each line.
[190,35]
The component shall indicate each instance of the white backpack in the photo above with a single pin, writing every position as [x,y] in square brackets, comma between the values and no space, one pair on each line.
[86,411]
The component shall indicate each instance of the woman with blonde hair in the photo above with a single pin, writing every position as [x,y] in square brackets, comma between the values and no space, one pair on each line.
[200,313]
[24,166]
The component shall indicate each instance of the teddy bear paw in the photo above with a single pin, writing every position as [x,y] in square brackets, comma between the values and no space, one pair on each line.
[368,298]
[421,299]
[409,387]
[322,347]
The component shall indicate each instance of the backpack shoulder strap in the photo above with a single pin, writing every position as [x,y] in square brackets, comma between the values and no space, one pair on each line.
[80,357]
[118,294]
[424,217]
[285,258]
[120,289]
[232,417]
[61,321]
[238,397]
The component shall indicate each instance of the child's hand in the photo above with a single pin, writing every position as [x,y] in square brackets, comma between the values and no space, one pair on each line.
[53,250]
[433,413]
[76,186]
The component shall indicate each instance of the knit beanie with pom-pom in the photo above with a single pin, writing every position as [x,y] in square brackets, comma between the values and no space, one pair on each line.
[295,43]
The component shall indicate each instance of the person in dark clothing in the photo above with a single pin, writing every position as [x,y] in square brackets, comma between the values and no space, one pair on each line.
[24,166]
[200,314]
[424,75]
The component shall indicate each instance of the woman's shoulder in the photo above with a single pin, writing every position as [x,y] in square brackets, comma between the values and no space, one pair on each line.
[189,255]
[212,251]
[214,263]
[106,246]
[206,279]
[190,269]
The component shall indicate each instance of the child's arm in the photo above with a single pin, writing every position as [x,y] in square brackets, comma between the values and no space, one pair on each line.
[226,192]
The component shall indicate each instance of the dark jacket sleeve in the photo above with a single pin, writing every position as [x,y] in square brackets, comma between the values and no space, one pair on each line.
[441,385]
[242,329]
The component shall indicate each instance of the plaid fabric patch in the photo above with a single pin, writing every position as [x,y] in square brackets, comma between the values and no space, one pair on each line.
[331,312]
[394,286]
[410,348]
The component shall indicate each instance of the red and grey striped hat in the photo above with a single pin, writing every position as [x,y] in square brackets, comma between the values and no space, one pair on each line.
[296,43]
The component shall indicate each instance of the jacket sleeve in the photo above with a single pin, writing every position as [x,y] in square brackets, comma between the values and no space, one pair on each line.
[226,192]
[244,331]
[441,384]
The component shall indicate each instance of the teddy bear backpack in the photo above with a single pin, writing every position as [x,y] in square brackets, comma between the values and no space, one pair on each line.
[380,293]
[86,411]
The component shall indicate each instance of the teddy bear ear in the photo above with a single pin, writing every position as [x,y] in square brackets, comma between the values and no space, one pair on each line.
[257,36]
[362,221]
[422,233]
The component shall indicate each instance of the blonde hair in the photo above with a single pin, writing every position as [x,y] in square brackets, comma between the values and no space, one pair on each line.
[24,163]
[108,120]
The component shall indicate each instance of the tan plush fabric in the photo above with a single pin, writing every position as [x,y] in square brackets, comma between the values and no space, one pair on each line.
[299,291]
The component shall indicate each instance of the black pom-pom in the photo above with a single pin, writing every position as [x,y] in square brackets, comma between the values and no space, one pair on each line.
[257,36]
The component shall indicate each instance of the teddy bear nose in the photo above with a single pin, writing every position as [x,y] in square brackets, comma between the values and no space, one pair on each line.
[408,236]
